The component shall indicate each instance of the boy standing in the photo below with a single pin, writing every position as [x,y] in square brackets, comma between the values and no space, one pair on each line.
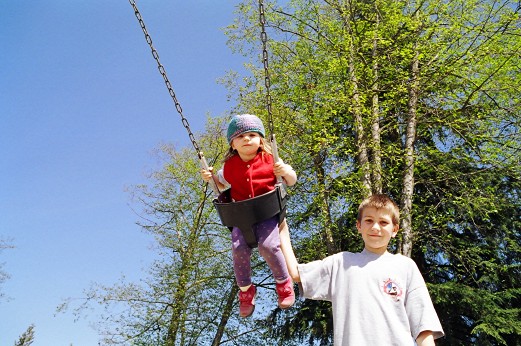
[377,298]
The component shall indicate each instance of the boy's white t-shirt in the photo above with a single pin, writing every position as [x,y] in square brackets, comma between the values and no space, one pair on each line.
[376,299]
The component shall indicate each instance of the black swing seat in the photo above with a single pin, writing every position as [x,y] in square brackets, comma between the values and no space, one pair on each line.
[244,214]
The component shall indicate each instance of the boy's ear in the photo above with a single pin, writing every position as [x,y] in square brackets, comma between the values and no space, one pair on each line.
[358,225]
[395,230]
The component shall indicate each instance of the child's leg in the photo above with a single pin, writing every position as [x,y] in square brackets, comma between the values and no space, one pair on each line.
[269,248]
[241,253]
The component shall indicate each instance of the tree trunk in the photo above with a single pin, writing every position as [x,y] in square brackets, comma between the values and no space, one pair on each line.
[178,310]
[375,114]
[408,177]
[361,144]
[177,327]
[226,314]
[327,233]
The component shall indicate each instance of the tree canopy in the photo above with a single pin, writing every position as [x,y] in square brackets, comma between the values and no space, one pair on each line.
[416,99]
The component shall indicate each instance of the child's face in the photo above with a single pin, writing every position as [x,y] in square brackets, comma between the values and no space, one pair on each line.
[247,145]
[377,228]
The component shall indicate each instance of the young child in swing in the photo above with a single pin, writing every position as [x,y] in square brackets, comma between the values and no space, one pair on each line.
[249,171]
[377,298]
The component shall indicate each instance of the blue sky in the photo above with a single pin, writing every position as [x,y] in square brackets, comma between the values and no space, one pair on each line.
[82,107]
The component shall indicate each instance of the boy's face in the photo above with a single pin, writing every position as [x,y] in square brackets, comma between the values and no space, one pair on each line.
[377,228]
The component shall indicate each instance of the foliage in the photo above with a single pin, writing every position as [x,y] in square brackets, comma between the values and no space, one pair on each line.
[350,81]
[414,99]
[189,295]
[27,338]
[4,244]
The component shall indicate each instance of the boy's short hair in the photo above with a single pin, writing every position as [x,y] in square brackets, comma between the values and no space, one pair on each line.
[380,201]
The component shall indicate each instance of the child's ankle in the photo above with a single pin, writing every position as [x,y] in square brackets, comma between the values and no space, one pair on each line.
[244,288]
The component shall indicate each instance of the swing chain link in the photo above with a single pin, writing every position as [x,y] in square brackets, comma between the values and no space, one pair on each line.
[162,70]
[267,82]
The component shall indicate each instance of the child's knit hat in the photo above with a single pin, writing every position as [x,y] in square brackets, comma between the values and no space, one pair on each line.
[244,123]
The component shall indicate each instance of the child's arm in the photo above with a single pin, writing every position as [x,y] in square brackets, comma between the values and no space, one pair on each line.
[207,175]
[285,171]
[425,338]
[287,250]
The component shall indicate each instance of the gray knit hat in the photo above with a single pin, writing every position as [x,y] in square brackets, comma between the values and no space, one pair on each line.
[244,123]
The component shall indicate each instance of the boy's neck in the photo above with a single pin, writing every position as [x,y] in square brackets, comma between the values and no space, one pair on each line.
[379,251]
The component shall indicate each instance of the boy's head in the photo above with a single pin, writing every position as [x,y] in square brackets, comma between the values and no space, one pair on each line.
[244,123]
[378,221]
[380,201]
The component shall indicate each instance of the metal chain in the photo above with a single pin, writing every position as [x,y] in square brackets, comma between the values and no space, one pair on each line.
[165,77]
[267,83]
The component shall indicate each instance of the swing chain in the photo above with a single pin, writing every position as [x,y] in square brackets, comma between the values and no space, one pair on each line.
[267,82]
[162,70]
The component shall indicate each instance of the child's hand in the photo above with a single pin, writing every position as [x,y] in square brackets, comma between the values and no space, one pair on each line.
[206,174]
[280,169]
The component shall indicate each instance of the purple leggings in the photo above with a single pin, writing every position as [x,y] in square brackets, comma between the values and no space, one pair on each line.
[267,233]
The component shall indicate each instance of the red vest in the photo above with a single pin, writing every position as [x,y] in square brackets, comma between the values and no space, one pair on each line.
[251,178]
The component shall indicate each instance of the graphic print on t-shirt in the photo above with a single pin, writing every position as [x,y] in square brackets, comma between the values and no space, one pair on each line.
[392,289]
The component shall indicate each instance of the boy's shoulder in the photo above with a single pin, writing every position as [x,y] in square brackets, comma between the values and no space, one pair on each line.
[347,256]
[366,256]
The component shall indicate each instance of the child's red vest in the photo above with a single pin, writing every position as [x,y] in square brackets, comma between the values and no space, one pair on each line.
[249,179]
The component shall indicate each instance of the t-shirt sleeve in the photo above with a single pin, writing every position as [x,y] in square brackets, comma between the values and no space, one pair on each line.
[315,279]
[420,310]
[220,176]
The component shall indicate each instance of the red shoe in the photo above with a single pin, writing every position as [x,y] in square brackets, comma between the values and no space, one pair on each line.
[286,294]
[247,301]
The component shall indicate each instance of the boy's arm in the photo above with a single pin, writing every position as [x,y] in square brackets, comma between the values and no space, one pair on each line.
[287,250]
[425,338]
